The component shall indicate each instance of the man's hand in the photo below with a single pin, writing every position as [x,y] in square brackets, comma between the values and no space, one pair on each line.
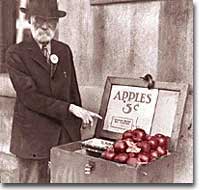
[85,115]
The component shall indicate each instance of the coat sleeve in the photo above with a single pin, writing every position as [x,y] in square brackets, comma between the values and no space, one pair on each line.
[75,94]
[27,92]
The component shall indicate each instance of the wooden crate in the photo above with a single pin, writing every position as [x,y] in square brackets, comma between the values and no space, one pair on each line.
[69,162]
[68,166]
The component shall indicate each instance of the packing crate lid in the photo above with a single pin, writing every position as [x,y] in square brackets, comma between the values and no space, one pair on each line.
[127,103]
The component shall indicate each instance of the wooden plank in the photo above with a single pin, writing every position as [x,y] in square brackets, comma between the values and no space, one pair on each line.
[179,117]
[7,29]
[158,171]
[184,161]
[174,86]
[6,87]
[6,117]
[165,112]
[8,168]
[103,108]
[9,176]
[106,2]
[1,36]
[70,146]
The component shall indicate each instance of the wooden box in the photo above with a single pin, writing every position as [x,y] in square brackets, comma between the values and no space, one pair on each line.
[72,163]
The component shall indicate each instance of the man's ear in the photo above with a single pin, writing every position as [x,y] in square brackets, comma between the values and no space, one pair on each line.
[29,19]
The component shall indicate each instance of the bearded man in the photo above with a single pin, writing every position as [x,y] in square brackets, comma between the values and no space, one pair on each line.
[48,108]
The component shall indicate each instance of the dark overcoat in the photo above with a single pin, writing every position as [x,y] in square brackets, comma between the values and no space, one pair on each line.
[41,112]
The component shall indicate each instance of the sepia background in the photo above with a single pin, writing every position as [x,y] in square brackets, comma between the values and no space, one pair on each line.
[125,38]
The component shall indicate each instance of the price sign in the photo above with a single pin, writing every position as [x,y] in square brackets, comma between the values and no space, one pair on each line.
[129,108]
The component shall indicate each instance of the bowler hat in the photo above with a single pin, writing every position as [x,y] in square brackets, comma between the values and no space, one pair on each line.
[46,8]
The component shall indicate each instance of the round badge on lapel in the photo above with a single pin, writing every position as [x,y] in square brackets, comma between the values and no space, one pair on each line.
[54,58]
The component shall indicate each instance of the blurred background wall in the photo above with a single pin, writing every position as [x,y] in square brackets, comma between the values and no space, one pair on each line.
[128,40]
[7,28]
[125,38]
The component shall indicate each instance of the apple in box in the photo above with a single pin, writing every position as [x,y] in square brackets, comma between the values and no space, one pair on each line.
[163,140]
[127,134]
[154,154]
[120,146]
[145,146]
[144,157]
[161,151]
[108,154]
[153,142]
[138,135]
[121,157]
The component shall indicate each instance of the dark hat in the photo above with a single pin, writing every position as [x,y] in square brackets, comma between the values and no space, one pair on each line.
[46,8]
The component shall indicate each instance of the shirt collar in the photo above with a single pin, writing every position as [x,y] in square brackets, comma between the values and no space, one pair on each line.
[48,46]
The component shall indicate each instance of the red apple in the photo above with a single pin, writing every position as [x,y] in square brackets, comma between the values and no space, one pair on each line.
[103,154]
[127,134]
[159,135]
[144,157]
[153,142]
[132,161]
[120,146]
[144,145]
[108,154]
[154,154]
[148,137]
[163,141]
[121,158]
[161,151]
[138,135]
[110,149]
[132,155]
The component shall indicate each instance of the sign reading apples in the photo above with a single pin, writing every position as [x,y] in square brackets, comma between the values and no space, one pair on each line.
[129,108]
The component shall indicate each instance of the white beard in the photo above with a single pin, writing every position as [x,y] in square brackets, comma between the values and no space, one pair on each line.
[41,35]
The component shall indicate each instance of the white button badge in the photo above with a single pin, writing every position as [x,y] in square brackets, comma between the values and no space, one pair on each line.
[54,58]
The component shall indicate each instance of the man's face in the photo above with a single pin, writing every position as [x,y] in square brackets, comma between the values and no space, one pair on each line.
[43,29]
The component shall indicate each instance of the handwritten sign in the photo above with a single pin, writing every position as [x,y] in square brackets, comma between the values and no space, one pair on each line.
[129,108]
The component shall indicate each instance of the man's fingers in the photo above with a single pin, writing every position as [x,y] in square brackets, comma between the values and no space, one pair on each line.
[83,113]
[87,117]
[85,121]
[95,115]
[91,121]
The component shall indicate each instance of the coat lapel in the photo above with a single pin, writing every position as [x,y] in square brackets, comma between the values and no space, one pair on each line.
[36,54]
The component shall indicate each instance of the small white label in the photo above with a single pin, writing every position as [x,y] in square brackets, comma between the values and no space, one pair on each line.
[54,58]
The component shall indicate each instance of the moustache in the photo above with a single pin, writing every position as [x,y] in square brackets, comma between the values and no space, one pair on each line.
[44,33]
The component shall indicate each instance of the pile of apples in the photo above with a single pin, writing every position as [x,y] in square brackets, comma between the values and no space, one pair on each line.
[137,147]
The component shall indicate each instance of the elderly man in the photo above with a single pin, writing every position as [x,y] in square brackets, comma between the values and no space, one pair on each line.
[48,108]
